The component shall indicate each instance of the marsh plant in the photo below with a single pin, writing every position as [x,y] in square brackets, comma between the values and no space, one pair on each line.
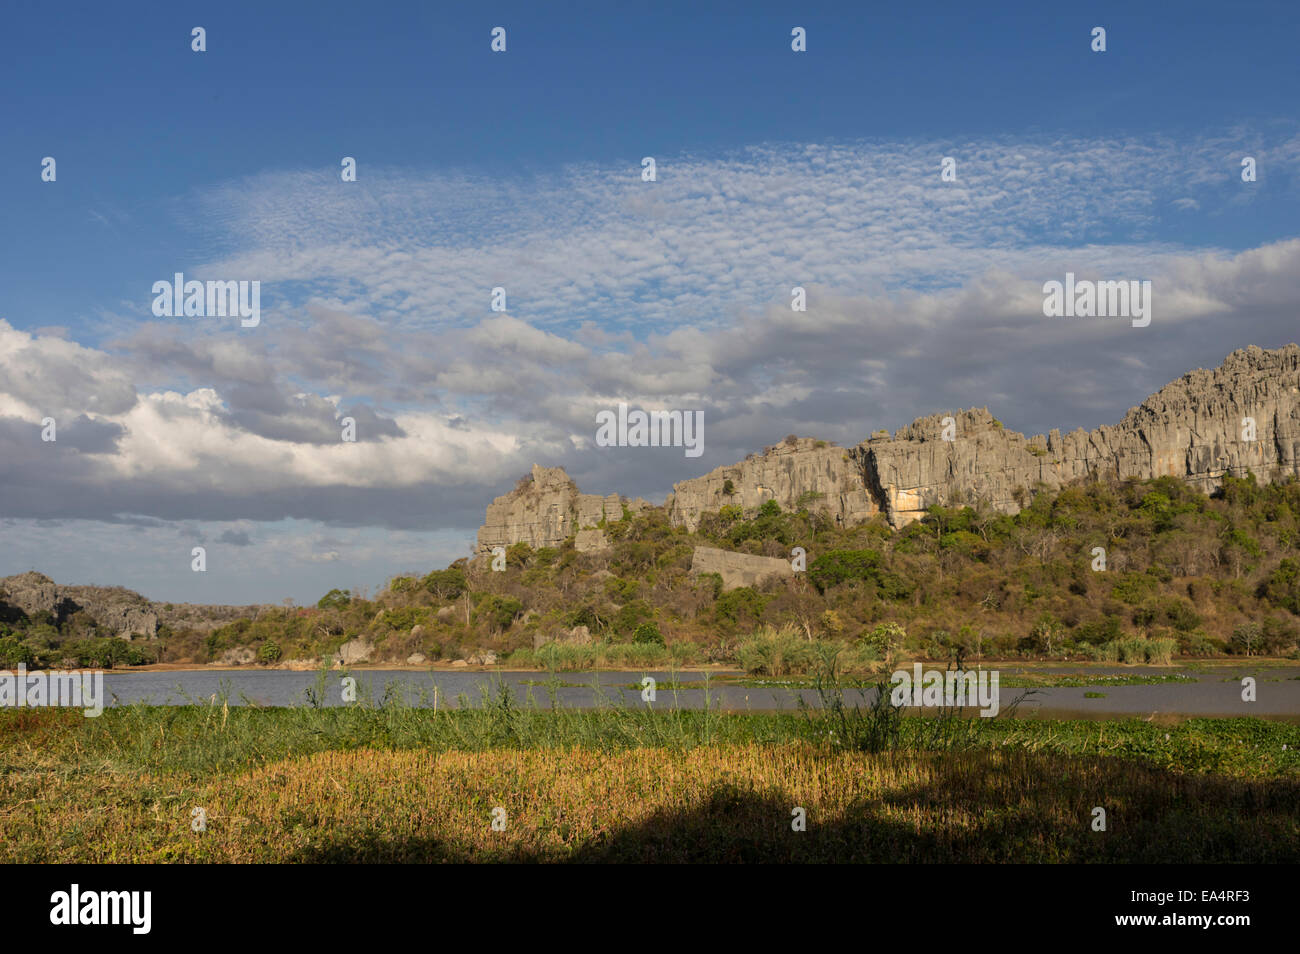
[860,714]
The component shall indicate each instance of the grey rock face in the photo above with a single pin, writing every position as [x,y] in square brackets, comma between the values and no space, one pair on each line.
[826,477]
[545,511]
[354,651]
[204,619]
[590,541]
[738,569]
[577,636]
[1241,417]
[1197,428]
[118,610]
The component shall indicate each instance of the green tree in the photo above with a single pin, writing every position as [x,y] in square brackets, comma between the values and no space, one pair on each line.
[335,599]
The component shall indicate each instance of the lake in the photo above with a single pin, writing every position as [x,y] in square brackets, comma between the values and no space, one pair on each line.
[1213,693]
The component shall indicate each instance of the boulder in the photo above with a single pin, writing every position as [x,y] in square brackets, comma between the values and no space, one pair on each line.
[241,656]
[577,636]
[738,569]
[416,659]
[354,651]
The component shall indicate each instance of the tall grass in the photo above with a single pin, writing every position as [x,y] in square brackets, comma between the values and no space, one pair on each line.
[785,651]
[726,802]
[568,657]
[1157,651]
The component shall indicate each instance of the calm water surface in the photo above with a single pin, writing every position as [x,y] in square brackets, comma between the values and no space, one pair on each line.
[1215,693]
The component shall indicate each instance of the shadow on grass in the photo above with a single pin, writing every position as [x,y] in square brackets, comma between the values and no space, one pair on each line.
[1152,818]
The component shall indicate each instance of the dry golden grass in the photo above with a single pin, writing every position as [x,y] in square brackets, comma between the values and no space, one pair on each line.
[711,803]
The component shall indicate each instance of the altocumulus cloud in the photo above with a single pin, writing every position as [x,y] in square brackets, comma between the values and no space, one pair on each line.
[666,295]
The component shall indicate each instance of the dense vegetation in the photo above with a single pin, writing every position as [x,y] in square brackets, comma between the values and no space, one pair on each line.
[1184,574]
[78,641]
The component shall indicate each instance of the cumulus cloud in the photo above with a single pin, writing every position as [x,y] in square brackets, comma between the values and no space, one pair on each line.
[922,296]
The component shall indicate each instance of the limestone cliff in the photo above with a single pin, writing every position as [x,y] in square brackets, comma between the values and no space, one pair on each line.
[547,510]
[1198,428]
[1243,416]
[117,610]
[823,475]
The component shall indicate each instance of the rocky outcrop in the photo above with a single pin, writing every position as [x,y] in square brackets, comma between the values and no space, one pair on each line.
[577,636]
[354,651]
[1241,417]
[590,541]
[117,610]
[738,569]
[795,473]
[204,618]
[982,463]
[546,510]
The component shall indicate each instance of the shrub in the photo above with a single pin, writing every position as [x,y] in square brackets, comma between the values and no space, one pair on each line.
[1099,632]
[14,653]
[831,623]
[713,581]
[776,652]
[269,651]
[334,599]
[1283,585]
[448,584]
[841,566]
[648,633]
[744,601]
[1247,638]
[1181,615]
[631,616]
[621,590]
[498,611]
[884,640]
[1279,635]
[1133,588]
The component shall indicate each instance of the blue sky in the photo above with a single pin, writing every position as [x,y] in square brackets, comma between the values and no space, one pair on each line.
[522,169]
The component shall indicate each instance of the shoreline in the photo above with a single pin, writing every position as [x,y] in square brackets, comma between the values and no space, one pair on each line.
[1272,662]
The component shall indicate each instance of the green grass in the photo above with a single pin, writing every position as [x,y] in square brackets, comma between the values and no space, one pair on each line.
[217,737]
[384,780]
